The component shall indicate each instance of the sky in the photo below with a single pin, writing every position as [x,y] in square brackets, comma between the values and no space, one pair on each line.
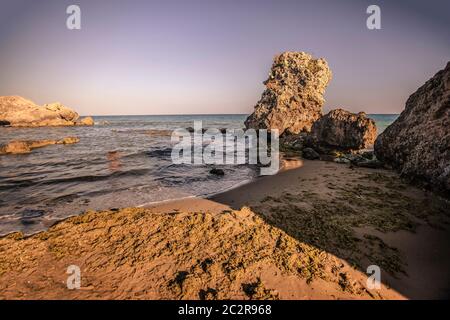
[211,57]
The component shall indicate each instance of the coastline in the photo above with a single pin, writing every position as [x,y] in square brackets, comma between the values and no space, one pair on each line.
[287,236]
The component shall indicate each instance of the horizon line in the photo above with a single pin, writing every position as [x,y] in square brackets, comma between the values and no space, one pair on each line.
[193,114]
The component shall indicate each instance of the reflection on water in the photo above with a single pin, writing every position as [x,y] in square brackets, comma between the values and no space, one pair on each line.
[114,161]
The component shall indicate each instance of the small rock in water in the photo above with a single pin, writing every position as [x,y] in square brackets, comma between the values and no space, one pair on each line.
[310,154]
[15,147]
[32,213]
[19,146]
[87,121]
[68,140]
[217,172]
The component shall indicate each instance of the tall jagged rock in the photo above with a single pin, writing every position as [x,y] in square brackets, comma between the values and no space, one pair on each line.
[417,144]
[293,98]
[344,130]
[16,111]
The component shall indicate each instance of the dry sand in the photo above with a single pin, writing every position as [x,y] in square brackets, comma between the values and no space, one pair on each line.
[305,233]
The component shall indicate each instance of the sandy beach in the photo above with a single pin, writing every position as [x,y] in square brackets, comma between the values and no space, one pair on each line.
[308,232]
[175,152]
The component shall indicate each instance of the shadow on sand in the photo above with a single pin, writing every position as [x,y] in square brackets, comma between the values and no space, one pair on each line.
[363,216]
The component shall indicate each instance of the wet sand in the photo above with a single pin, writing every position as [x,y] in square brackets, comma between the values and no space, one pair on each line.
[306,233]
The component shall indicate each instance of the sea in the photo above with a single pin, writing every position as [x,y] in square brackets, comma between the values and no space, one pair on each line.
[122,161]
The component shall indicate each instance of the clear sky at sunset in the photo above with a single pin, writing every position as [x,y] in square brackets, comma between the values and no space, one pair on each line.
[182,57]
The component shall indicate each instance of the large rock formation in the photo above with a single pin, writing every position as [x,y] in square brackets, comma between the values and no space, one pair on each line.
[343,130]
[294,96]
[19,112]
[417,144]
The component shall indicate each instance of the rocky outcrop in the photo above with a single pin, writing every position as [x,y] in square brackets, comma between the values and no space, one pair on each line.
[18,146]
[417,144]
[63,111]
[16,111]
[343,130]
[293,98]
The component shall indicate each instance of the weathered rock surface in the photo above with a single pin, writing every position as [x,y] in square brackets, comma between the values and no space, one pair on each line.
[18,146]
[16,111]
[15,147]
[87,121]
[63,111]
[417,144]
[343,130]
[293,98]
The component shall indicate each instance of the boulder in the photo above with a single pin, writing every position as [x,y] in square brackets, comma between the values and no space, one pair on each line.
[343,130]
[87,121]
[293,98]
[19,112]
[417,144]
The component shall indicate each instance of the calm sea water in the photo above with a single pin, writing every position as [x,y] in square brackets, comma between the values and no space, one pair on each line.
[121,161]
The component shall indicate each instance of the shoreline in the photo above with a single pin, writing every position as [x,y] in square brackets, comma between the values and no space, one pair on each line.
[324,250]
[287,164]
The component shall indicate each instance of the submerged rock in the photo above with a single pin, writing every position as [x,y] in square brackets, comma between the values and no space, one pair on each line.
[68,140]
[417,144]
[343,130]
[15,147]
[217,172]
[18,146]
[293,97]
[16,111]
